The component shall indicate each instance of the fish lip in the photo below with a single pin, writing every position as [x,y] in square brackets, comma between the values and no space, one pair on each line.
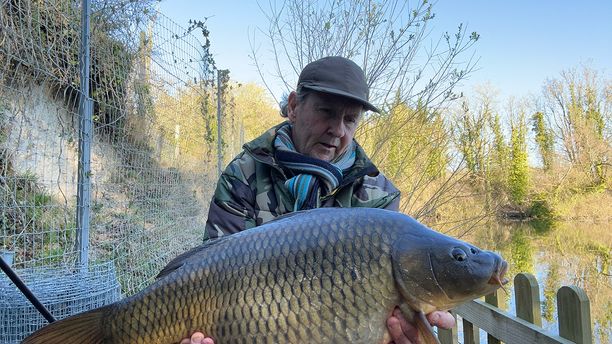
[503,271]
[499,275]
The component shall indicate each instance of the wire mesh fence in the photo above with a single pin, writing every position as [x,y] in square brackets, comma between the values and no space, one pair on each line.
[153,148]
[64,291]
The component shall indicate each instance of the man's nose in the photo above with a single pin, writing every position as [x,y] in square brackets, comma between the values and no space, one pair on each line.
[336,127]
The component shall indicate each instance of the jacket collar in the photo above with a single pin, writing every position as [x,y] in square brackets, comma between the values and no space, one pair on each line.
[262,150]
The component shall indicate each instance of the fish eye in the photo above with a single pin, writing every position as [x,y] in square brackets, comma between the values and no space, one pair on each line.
[459,254]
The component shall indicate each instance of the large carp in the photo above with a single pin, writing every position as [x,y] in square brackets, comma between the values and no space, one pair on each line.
[321,276]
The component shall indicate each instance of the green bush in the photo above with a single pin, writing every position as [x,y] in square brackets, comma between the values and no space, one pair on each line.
[542,214]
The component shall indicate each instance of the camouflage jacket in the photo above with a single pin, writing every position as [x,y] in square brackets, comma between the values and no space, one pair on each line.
[251,191]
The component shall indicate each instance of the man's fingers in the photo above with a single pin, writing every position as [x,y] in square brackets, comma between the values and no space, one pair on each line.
[403,322]
[396,332]
[443,320]
[197,338]
[400,330]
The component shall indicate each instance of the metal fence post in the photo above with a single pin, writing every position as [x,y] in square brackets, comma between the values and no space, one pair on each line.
[219,131]
[85,137]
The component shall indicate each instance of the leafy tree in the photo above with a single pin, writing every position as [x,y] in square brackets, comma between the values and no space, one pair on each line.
[480,140]
[180,125]
[498,159]
[255,110]
[544,139]
[518,177]
[471,139]
[474,133]
[578,105]
[412,147]
[249,114]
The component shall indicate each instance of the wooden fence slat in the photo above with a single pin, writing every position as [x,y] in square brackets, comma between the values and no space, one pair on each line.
[527,298]
[573,308]
[495,299]
[471,333]
[504,326]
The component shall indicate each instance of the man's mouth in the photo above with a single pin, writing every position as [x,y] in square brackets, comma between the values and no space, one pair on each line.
[328,146]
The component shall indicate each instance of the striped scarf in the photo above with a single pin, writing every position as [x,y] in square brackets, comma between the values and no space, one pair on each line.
[313,177]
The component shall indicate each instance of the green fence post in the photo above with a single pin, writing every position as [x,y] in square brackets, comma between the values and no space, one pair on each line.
[527,298]
[574,311]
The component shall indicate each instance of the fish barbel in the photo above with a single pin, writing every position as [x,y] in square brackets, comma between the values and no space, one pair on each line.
[326,275]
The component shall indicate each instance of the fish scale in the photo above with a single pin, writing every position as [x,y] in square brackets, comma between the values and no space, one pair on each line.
[319,276]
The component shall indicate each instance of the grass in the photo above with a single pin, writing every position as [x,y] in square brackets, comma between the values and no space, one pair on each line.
[590,206]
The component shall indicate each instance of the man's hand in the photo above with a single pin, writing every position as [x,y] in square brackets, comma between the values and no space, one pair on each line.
[401,331]
[197,338]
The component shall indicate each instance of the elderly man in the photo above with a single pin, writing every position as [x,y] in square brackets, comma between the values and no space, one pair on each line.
[310,161]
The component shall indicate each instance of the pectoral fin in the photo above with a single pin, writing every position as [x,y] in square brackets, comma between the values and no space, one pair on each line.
[426,333]
[418,318]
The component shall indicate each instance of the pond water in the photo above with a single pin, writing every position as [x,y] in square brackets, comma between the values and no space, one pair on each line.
[572,253]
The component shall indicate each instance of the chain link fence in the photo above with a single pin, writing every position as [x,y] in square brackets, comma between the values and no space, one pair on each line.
[153,151]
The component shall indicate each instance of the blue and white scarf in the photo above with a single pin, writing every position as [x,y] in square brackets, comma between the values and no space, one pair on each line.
[313,177]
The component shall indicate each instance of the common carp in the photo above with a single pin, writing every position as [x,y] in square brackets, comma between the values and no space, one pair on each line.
[326,275]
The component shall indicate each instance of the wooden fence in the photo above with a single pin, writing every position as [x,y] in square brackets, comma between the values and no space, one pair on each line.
[573,311]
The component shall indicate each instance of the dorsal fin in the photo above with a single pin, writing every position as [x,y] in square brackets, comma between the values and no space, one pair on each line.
[185,257]
[288,216]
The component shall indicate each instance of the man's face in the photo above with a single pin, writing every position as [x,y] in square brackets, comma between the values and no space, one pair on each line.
[323,124]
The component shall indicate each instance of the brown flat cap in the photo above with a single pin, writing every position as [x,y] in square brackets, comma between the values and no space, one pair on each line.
[337,75]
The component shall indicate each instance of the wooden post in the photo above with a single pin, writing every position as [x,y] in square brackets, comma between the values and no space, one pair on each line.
[574,312]
[449,336]
[495,299]
[527,298]
[471,334]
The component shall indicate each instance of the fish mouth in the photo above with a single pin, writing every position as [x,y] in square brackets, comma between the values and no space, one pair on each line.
[499,275]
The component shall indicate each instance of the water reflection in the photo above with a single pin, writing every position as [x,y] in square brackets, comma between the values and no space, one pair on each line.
[521,252]
[551,283]
[570,254]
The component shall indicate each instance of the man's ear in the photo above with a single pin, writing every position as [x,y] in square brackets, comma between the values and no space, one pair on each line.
[291,105]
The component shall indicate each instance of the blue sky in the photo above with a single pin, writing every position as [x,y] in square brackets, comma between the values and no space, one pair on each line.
[522,43]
